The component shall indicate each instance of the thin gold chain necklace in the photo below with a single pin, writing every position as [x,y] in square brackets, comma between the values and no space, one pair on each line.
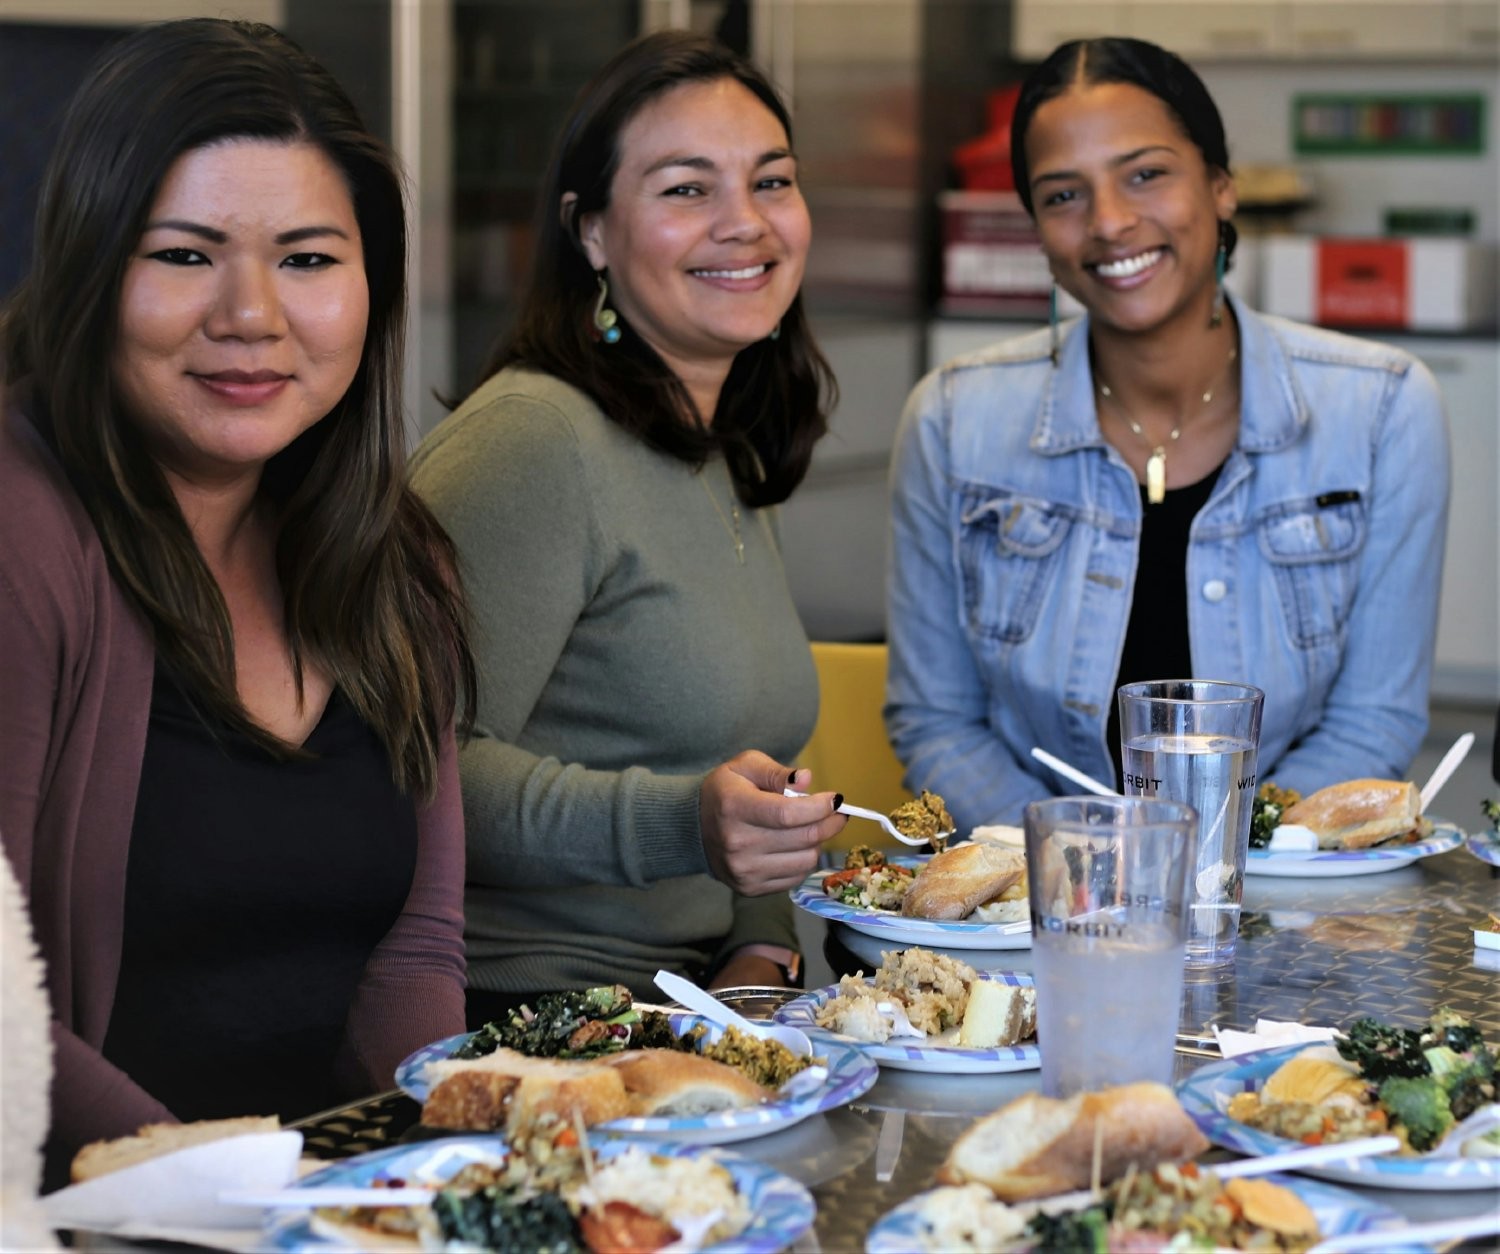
[1156,463]
[734,511]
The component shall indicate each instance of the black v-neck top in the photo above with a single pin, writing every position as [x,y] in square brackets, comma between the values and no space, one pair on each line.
[255,892]
[1156,638]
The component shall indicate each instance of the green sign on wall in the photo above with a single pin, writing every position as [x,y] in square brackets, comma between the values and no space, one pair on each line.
[1377,126]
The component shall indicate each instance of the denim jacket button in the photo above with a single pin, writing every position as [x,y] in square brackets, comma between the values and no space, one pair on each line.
[1215,590]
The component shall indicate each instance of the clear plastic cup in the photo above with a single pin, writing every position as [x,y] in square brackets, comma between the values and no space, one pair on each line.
[1196,741]
[1110,880]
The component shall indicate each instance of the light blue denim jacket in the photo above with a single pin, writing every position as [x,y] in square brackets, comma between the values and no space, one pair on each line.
[1312,570]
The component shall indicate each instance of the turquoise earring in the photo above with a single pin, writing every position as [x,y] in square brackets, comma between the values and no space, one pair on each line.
[1221,263]
[605,318]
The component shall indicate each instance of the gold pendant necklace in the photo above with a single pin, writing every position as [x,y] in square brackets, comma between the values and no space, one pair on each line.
[734,510]
[1156,463]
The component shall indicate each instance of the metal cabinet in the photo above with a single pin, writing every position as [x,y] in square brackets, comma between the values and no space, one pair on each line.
[1468,644]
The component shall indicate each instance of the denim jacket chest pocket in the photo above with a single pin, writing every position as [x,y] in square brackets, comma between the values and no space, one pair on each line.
[1008,547]
[1314,550]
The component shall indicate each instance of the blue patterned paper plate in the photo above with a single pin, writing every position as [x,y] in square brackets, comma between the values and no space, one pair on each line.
[1484,845]
[903,1056]
[1328,863]
[1205,1095]
[891,926]
[850,1073]
[781,1209]
[1339,1214]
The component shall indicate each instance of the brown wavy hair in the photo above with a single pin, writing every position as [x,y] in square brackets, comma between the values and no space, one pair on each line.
[773,407]
[368,575]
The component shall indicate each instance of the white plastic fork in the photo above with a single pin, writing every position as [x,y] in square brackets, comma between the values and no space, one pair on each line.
[1486,1225]
[875,816]
[1483,1120]
[1072,774]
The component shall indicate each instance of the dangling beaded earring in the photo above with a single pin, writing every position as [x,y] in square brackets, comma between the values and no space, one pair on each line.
[605,317]
[1052,321]
[1221,263]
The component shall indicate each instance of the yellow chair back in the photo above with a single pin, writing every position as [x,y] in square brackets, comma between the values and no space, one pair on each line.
[849,752]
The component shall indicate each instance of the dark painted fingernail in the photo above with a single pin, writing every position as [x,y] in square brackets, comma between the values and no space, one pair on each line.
[838,800]
[791,780]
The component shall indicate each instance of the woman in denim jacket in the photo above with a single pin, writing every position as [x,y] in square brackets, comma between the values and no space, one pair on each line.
[1171,485]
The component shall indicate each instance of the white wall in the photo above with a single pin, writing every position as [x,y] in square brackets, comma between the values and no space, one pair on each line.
[1256,102]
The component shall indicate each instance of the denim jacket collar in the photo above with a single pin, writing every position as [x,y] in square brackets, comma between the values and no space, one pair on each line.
[1273,413]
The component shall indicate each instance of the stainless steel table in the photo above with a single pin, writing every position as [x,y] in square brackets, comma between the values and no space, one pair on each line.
[1394,945]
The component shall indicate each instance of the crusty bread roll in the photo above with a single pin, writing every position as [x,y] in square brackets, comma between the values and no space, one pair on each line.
[510,1089]
[102,1157]
[1358,813]
[1038,1146]
[957,880]
[670,1082]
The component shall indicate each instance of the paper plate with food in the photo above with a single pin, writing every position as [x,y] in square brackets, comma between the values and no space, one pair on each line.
[628,1195]
[1014,1182]
[1358,827]
[924,1011]
[628,1072]
[1422,1085]
[1484,844]
[970,896]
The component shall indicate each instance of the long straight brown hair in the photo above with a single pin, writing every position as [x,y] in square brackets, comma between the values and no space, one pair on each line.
[367,574]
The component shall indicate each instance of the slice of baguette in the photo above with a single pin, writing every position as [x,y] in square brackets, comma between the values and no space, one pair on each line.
[102,1157]
[668,1082]
[1038,1146]
[1359,812]
[957,880]
[595,1095]
[497,1090]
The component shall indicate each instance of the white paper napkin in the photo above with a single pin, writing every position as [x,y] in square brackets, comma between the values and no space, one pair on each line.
[1000,834]
[1269,1032]
[177,1194]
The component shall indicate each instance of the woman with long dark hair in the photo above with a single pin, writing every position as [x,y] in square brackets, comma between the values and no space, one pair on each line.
[231,638]
[609,487]
[1170,486]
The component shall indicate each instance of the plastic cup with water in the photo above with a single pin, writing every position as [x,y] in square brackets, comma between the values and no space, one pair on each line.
[1110,880]
[1196,741]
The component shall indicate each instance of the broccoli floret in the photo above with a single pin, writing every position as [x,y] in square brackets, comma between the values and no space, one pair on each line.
[1381,1052]
[1450,1028]
[1468,1078]
[1420,1105]
[1492,812]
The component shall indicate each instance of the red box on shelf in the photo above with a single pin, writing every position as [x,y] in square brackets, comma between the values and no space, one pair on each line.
[1396,284]
[1362,283]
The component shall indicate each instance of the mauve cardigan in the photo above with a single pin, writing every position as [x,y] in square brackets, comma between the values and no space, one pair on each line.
[76,667]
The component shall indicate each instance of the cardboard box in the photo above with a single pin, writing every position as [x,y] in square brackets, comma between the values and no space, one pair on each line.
[1396,284]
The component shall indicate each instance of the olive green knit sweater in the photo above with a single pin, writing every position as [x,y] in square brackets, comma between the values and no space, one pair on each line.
[623,653]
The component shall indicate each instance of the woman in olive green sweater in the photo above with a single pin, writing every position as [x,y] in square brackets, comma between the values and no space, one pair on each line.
[644,676]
